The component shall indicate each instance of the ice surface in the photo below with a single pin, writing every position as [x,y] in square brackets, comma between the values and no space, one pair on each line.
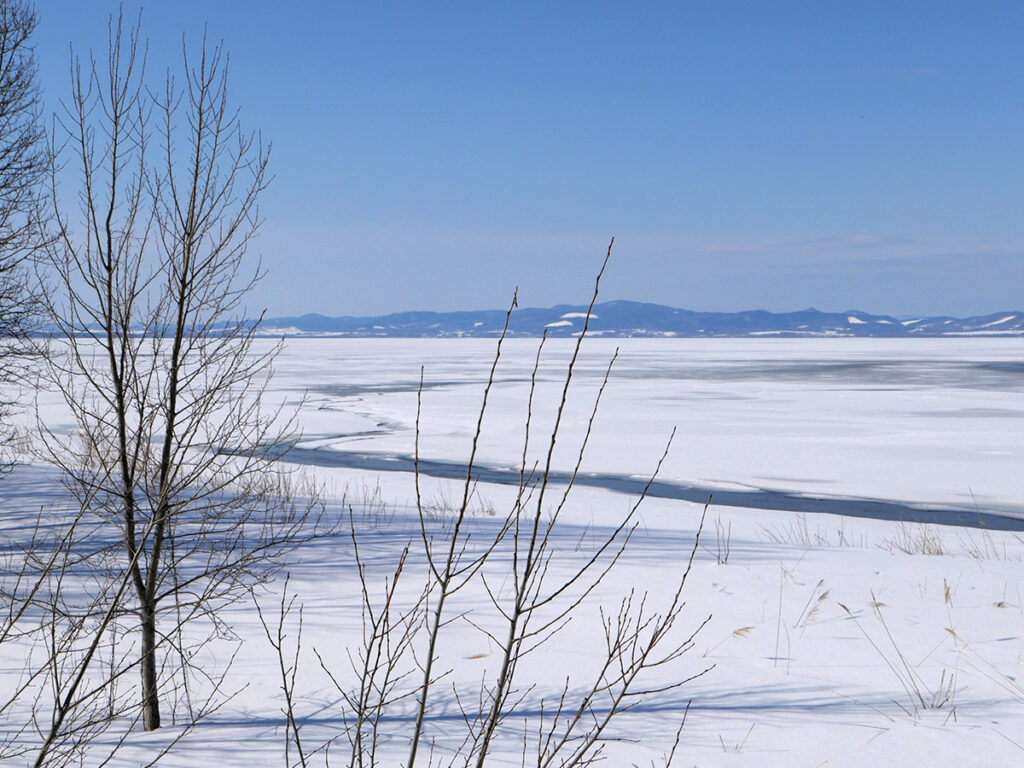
[920,422]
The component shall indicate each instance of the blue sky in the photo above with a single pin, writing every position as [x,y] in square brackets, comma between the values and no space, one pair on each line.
[745,154]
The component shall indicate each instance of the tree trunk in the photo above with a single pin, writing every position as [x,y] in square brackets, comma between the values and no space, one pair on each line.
[150,699]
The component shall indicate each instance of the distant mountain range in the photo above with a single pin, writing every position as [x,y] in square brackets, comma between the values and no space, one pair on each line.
[632,318]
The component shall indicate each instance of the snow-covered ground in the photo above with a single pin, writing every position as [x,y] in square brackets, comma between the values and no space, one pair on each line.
[834,640]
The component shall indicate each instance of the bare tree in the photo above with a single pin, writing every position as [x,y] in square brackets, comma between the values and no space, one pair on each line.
[22,167]
[533,588]
[159,366]
[572,729]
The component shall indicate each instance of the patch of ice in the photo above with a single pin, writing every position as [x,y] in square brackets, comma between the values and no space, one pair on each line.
[579,314]
[855,320]
[559,323]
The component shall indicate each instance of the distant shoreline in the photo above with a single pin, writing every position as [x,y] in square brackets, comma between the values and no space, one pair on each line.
[631,319]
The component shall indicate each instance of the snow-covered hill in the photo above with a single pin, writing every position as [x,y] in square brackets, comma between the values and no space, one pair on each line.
[631,318]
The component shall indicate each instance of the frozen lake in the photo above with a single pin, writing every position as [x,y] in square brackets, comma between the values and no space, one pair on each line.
[922,429]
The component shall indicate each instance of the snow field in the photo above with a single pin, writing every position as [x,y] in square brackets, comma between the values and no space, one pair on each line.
[834,641]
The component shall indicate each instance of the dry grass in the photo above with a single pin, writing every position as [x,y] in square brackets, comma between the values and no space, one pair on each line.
[919,695]
[982,545]
[798,533]
[917,539]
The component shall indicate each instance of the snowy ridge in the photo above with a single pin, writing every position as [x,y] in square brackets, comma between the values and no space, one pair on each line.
[638,319]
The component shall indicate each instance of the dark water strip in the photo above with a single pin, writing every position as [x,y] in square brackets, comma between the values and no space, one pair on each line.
[666,489]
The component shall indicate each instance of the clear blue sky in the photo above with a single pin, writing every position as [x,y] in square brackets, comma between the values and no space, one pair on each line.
[745,154]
